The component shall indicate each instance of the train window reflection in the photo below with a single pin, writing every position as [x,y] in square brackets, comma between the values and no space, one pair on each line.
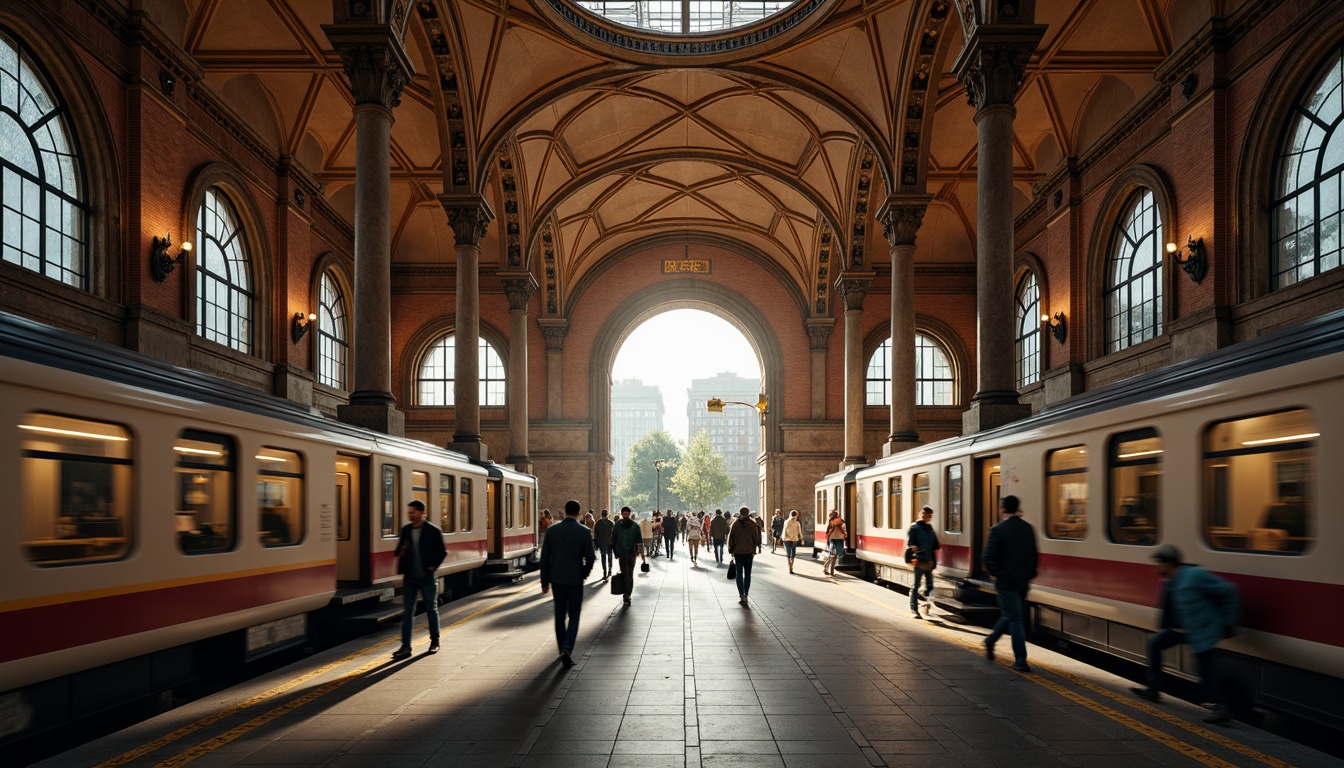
[1135,460]
[877,504]
[894,503]
[524,506]
[279,497]
[343,485]
[76,489]
[1066,493]
[464,504]
[508,505]
[920,491]
[1258,472]
[447,519]
[420,493]
[391,499]
[206,505]
[952,489]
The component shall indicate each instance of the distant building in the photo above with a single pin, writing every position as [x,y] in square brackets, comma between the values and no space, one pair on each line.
[735,433]
[636,410]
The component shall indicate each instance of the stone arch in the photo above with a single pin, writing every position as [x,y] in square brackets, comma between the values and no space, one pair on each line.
[1028,263]
[430,332]
[1109,97]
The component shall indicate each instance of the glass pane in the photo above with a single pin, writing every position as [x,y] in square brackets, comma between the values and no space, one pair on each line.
[206,508]
[280,500]
[1259,473]
[1136,474]
[1066,493]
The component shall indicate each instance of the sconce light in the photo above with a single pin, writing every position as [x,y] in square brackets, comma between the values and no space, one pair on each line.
[1193,262]
[300,325]
[1059,327]
[160,263]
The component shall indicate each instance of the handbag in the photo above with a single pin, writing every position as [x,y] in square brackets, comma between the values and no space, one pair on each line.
[732,571]
[617,583]
[644,567]
[910,554]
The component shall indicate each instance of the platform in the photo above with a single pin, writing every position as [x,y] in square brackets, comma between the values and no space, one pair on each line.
[816,673]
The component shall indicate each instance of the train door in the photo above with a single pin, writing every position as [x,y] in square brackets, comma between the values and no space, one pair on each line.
[849,511]
[351,532]
[492,531]
[987,476]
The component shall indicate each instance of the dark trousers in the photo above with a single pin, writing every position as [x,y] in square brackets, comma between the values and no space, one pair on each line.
[671,543]
[627,563]
[743,572]
[1205,666]
[927,577]
[1012,606]
[425,587]
[604,557]
[718,549]
[568,600]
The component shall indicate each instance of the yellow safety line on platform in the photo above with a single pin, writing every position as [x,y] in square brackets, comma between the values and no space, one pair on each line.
[211,744]
[1188,750]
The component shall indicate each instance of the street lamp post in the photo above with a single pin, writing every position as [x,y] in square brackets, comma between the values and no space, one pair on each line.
[715,405]
[658,481]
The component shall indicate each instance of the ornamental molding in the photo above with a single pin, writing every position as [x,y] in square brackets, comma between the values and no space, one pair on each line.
[469,216]
[651,43]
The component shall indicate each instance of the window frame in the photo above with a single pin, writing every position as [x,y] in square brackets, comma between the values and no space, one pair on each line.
[1116,461]
[1053,513]
[228,467]
[216,202]
[389,495]
[1122,232]
[333,332]
[296,506]
[1273,447]
[1029,363]
[492,389]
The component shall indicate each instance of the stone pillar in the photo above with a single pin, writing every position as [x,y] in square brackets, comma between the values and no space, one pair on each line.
[519,287]
[468,215]
[991,67]
[554,329]
[853,288]
[378,68]
[818,333]
[900,223]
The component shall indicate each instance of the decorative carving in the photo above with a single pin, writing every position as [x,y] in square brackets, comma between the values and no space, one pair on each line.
[819,331]
[1189,84]
[548,260]
[468,219]
[992,72]
[823,286]
[554,330]
[853,289]
[375,71]
[1059,197]
[167,83]
[299,197]
[900,223]
[518,287]
[457,160]
[512,228]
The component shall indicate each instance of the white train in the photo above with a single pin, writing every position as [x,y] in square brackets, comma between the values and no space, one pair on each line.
[162,521]
[1220,456]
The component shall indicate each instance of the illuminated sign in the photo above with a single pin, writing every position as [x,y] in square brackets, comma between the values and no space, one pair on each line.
[693,266]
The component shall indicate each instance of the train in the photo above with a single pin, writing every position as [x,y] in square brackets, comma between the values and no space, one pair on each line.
[1221,456]
[164,521]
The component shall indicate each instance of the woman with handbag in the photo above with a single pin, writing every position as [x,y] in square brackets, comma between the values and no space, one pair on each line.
[743,539]
[793,536]
[836,535]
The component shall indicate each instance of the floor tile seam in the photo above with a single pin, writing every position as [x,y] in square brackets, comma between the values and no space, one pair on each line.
[690,712]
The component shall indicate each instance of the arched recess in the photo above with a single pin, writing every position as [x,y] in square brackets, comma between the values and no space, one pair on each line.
[943,333]
[1098,249]
[1029,263]
[715,299]
[61,65]
[339,266]
[419,342]
[1303,56]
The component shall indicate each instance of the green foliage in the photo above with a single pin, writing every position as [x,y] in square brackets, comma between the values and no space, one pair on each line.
[636,488]
[700,478]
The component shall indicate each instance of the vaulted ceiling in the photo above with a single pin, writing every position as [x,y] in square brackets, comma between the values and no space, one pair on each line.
[584,150]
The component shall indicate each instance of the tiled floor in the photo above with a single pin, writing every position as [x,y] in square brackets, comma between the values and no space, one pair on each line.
[815,673]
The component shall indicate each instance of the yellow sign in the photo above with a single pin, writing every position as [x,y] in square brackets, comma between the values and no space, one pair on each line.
[694,266]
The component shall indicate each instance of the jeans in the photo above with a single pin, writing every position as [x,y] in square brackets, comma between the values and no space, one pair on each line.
[671,542]
[1011,607]
[627,563]
[568,600]
[718,549]
[790,548]
[604,550]
[1205,666]
[927,577]
[743,573]
[427,588]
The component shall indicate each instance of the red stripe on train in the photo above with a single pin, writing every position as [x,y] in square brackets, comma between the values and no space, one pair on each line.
[383,565]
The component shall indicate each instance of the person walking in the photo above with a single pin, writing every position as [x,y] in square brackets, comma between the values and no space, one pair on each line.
[682,524]
[419,553]
[589,521]
[656,533]
[1011,558]
[694,532]
[1199,609]
[602,537]
[743,541]
[776,530]
[627,542]
[718,533]
[793,536]
[759,522]
[924,540]
[836,536]
[543,523]
[671,527]
[566,560]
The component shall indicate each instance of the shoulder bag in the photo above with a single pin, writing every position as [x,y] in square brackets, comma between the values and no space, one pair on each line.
[732,570]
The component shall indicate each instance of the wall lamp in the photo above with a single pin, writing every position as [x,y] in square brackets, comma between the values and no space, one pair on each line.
[715,405]
[300,325]
[1194,261]
[160,263]
[1058,325]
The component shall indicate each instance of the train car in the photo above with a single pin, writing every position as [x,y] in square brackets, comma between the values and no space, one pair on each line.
[834,493]
[163,521]
[1220,456]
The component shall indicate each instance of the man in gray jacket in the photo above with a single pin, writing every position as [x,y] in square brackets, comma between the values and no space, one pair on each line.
[566,560]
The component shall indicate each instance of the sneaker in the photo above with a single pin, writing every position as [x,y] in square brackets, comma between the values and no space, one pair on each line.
[1021,666]
[565,659]
[915,615]
[627,600]
[928,607]
[1150,694]
[1218,716]
[989,650]
[404,652]
[434,645]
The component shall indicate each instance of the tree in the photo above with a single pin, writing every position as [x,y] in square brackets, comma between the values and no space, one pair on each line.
[700,478]
[636,488]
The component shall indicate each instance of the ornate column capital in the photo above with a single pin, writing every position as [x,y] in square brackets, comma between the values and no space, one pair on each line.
[853,288]
[374,59]
[992,64]
[554,330]
[901,217]
[468,215]
[819,331]
[519,287]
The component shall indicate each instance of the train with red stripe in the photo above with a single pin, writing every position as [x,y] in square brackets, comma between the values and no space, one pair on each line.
[162,521]
[1226,456]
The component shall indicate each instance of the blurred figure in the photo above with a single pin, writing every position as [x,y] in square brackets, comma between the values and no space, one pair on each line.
[836,535]
[602,538]
[566,560]
[1011,558]
[793,536]
[924,540]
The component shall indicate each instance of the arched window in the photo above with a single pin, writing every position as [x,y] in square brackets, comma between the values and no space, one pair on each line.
[223,275]
[1028,342]
[332,331]
[1134,274]
[436,373]
[43,215]
[935,383]
[1308,170]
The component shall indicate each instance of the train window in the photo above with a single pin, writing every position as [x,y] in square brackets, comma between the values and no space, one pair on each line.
[280,497]
[420,492]
[894,502]
[920,491]
[1066,493]
[343,506]
[1258,474]
[508,505]
[446,517]
[206,506]
[391,500]
[878,507]
[1135,460]
[76,489]
[524,506]
[464,504]
[952,497]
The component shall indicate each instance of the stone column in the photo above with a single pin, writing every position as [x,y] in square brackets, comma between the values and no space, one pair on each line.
[818,333]
[378,68]
[991,67]
[554,329]
[519,287]
[853,288]
[900,222]
[468,215]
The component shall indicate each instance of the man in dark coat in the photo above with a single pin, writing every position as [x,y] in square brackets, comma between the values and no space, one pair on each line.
[924,539]
[1011,558]
[567,558]
[602,537]
[627,543]
[420,551]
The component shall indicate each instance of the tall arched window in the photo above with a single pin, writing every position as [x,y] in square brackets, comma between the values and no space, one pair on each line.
[223,275]
[1307,174]
[434,382]
[1028,342]
[1134,274]
[43,216]
[935,382]
[332,331]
